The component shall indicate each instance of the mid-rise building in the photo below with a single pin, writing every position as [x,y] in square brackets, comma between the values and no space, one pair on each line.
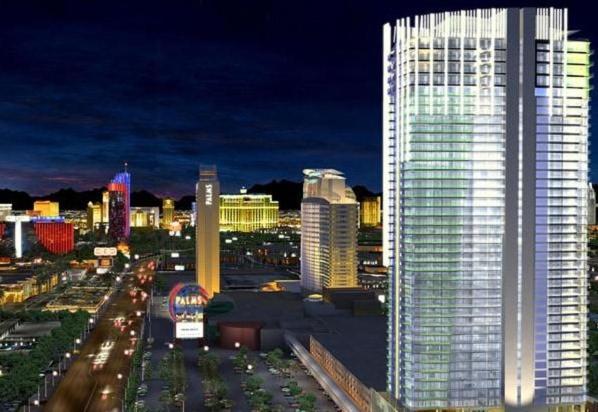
[370,213]
[247,212]
[145,217]
[485,163]
[46,208]
[5,210]
[94,215]
[55,236]
[167,212]
[207,234]
[329,222]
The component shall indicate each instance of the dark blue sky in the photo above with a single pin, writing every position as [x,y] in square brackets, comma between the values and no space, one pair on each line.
[261,88]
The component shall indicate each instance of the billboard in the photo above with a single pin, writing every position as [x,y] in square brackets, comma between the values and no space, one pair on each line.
[104,251]
[185,304]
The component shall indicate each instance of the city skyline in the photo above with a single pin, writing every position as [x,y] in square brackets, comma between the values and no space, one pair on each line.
[110,87]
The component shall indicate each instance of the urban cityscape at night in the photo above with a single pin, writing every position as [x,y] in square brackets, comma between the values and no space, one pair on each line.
[258,206]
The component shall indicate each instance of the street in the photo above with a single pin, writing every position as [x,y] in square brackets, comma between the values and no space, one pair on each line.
[96,380]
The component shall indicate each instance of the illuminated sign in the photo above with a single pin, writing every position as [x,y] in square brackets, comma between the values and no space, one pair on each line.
[208,195]
[185,305]
[104,251]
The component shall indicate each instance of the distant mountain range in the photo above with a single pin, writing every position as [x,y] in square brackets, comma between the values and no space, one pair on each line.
[286,192]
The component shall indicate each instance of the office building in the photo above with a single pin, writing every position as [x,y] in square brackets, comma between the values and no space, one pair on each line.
[245,212]
[46,208]
[329,221]
[94,215]
[370,213]
[591,205]
[207,235]
[167,212]
[105,207]
[485,163]
[55,236]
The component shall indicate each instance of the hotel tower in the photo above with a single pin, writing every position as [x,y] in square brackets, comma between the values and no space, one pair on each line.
[485,128]
[329,221]
[207,234]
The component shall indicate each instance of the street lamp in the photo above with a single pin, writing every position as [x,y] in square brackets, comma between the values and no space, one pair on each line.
[119,376]
[249,367]
[237,345]
[54,374]
[132,333]
[170,345]
[206,348]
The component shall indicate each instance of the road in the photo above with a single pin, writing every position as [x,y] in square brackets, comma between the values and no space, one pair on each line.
[92,382]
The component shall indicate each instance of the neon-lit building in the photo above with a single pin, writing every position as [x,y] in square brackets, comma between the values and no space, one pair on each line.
[56,237]
[485,163]
[329,222]
[46,208]
[119,207]
[247,212]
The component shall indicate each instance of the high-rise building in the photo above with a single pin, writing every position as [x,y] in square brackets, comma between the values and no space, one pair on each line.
[370,213]
[56,236]
[591,205]
[247,212]
[118,218]
[119,206]
[329,221]
[18,231]
[207,234]
[46,208]
[94,215]
[105,207]
[167,212]
[485,162]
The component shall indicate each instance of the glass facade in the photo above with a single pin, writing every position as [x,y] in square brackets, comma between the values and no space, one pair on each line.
[446,156]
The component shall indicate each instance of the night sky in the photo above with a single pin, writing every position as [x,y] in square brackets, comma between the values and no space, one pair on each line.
[262,89]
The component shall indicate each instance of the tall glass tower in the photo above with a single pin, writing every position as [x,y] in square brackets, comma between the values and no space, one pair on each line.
[485,128]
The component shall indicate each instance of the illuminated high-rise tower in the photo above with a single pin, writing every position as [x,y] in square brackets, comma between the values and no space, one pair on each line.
[167,212]
[207,235]
[119,216]
[329,221]
[485,128]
